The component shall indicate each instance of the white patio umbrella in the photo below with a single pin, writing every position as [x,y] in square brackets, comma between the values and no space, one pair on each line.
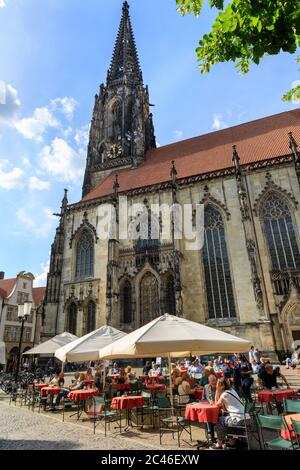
[49,347]
[168,336]
[87,347]
[2,353]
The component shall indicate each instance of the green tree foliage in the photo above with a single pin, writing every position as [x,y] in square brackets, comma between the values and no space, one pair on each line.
[245,31]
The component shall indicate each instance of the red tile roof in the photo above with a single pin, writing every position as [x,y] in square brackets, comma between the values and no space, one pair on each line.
[6,287]
[38,294]
[258,140]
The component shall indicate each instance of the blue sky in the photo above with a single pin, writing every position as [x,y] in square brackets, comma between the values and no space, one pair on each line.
[53,56]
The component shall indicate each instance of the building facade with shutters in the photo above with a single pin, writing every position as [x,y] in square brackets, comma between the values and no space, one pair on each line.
[246,278]
[14,292]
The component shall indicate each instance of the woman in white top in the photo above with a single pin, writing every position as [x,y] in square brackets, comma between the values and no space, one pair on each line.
[229,402]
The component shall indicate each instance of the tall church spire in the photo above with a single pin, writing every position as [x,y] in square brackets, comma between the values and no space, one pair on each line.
[122,127]
[125,64]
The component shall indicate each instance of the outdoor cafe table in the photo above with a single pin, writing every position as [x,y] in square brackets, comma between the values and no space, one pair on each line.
[127,403]
[114,376]
[202,412]
[45,391]
[153,388]
[197,393]
[120,387]
[89,382]
[81,396]
[284,433]
[154,379]
[39,386]
[266,396]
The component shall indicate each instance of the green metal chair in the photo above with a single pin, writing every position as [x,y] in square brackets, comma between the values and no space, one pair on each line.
[249,428]
[99,412]
[276,424]
[291,406]
[296,429]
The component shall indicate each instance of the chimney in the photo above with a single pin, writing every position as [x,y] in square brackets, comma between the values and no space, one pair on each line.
[2,273]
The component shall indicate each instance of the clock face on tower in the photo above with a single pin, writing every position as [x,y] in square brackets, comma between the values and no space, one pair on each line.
[114,151]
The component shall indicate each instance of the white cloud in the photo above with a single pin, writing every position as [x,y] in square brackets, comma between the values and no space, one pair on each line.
[41,278]
[61,160]
[34,127]
[2,3]
[82,135]
[35,184]
[9,103]
[26,161]
[178,134]
[36,220]
[218,122]
[66,106]
[11,179]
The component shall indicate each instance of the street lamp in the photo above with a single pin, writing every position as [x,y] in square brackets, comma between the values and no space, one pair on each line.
[24,311]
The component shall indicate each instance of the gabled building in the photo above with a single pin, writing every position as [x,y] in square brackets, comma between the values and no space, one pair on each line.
[14,292]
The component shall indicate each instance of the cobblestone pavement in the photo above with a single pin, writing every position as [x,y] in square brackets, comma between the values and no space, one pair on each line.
[23,430]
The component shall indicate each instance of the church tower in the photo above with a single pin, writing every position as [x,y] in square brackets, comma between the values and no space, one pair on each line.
[122,127]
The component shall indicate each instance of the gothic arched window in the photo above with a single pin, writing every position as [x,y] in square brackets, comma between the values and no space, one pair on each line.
[280,233]
[91,316]
[126,303]
[170,306]
[216,266]
[149,306]
[116,121]
[85,255]
[72,319]
[129,117]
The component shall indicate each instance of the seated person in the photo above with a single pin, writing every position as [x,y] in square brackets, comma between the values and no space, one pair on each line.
[196,367]
[226,369]
[209,394]
[184,390]
[130,376]
[54,382]
[89,374]
[61,380]
[78,384]
[206,373]
[268,377]
[176,377]
[99,378]
[146,368]
[115,370]
[155,371]
[209,390]
[122,377]
[228,402]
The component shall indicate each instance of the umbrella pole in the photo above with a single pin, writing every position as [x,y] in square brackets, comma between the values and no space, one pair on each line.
[62,367]
[171,385]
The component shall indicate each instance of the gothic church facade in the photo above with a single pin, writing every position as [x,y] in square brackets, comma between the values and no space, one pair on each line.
[245,280]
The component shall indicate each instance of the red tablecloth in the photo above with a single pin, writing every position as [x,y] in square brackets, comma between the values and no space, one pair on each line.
[202,412]
[265,396]
[198,393]
[120,387]
[45,391]
[158,378]
[156,388]
[89,382]
[183,370]
[115,376]
[191,381]
[121,403]
[77,395]
[284,433]
[39,386]
[219,373]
